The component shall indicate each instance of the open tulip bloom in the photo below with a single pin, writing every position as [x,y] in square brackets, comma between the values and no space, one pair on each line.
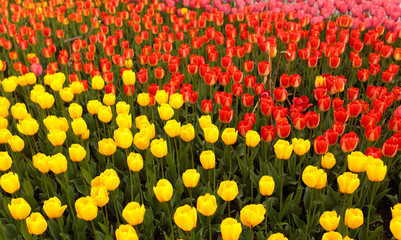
[198,119]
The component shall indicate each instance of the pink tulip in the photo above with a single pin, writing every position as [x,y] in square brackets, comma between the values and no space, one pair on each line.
[37,69]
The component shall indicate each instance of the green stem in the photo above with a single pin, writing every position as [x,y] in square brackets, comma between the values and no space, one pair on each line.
[131,186]
[61,228]
[94,229]
[282,183]
[309,211]
[171,222]
[190,195]
[210,228]
[115,207]
[370,207]
[140,187]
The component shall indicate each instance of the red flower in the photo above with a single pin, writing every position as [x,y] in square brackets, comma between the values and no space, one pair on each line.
[267,106]
[279,113]
[129,90]
[237,77]
[340,115]
[338,127]
[349,142]
[352,93]
[295,80]
[283,128]
[250,81]
[331,136]
[372,132]
[319,92]
[247,100]
[299,121]
[250,117]
[263,68]
[280,94]
[244,127]
[334,61]
[285,80]
[390,147]
[363,75]
[312,119]
[259,88]
[374,152]
[395,124]
[248,66]
[321,145]
[354,109]
[268,133]
[226,114]
[337,103]
[324,103]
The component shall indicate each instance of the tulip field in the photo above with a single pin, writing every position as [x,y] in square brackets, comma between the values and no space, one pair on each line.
[200,119]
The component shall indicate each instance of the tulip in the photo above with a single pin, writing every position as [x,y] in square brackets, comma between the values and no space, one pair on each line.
[79,126]
[266,185]
[226,114]
[348,182]
[395,227]
[133,213]
[149,130]
[5,161]
[129,77]
[314,177]
[332,236]
[66,94]
[376,170]
[283,149]
[75,110]
[45,100]
[187,132]
[321,145]
[97,83]
[277,236]
[252,215]
[124,120]
[230,229]
[53,208]
[163,190]
[357,162]
[389,148]
[105,114]
[41,162]
[328,161]
[77,152]
[228,190]
[28,126]
[190,178]
[86,208]
[123,137]
[58,163]
[229,136]
[207,159]
[353,218]
[93,106]
[172,128]
[56,137]
[36,224]
[165,111]
[110,179]
[161,97]
[211,133]
[176,100]
[124,232]
[135,162]
[300,146]
[329,220]
[185,217]
[10,182]
[205,121]
[141,140]
[206,205]
[19,208]
[396,210]
[158,147]
[349,142]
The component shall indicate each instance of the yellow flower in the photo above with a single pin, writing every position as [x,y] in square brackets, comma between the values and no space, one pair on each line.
[176,100]
[58,163]
[143,99]
[56,137]
[320,81]
[16,143]
[314,177]
[348,182]
[75,110]
[97,82]
[129,77]
[205,121]
[41,162]
[208,159]
[158,147]
[3,123]
[141,121]
[19,111]
[10,84]
[252,138]
[357,162]
[5,135]
[395,227]
[93,106]
[165,111]
[5,161]
[163,190]
[77,87]
[123,137]
[332,236]
[253,214]
[53,208]
[79,126]
[126,232]
[300,146]
[211,133]
[135,162]
[282,149]
[77,152]
[10,182]
[277,236]
[19,208]
[35,92]
[228,190]
[206,205]
[100,195]
[141,140]
[124,120]
[45,100]
[230,229]
[161,97]
[133,213]
[110,179]
[353,218]
[149,130]
[66,94]
[105,114]
[187,132]
[396,210]
[86,208]
[190,178]
[172,128]
[266,185]
[107,146]
[185,217]
[109,99]
[28,126]
[129,63]
[36,224]
[376,170]
[329,220]
[328,161]
[229,136]
[122,107]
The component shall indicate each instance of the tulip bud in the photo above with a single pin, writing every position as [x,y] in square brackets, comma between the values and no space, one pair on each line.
[53,208]
[133,213]
[252,215]
[163,190]
[329,220]
[230,229]
[228,190]
[19,208]
[86,208]
[10,182]
[353,218]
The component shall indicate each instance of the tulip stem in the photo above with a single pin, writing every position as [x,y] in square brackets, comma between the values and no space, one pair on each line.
[210,228]
[229,211]
[230,161]
[310,209]
[61,228]
[282,183]
[44,183]
[68,194]
[190,195]
[115,207]
[83,178]
[266,217]
[132,186]
[169,218]
[251,233]
[178,159]
[140,187]
[370,206]
[161,166]
[94,229]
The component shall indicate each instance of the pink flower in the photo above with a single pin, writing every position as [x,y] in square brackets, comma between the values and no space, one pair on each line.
[37,69]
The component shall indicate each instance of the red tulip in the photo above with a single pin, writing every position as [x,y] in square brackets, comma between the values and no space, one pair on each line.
[250,81]
[299,121]
[226,114]
[390,147]
[284,80]
[395,124]
[283,128]
[324,103]
[312,119]
[340,115]
[267,106]
[247,100]
[321,145]
[339,128]
[244,127]
[280,94]
[248,66]
[280,113]
[334,61]
[354,109]
[337,103]
[268,133]
[372,132]
[363,75]
[263,68]
[331,136]
[207,106]
[295,80]
[349,142]
[250,117]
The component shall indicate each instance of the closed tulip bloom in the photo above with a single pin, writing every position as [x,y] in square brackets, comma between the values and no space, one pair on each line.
[75,110]
[123,137]
[3,123]
[45,100]
[97,83]
[283,149]
[211,133]
[172,128]
[158,147]
[5,161]
[329,220]
[107,146]
[19,208]
[121,107]
[66,94]
[300,146]
[190,178]
[328,161]
[357,162]
[277,236]
[16,143]
[86,208]
[143,99]
[253,214]
[141,121]
[229,136]
[105,114]
[185,217]
[124,120]
[163,190]
[266,185]
[9,84]
[332,236]
[58,163]
[28,126]
[353,218]
[56,137]
[208,159]
[230,229]
[252,138]
[376,170]
[176,100]
[149,130]
[110,179]
[41,162]
[19,111]
[135,162]
[321,145]
[205,121]
[141,140]
[349,142]
[206,205]
[109,99]
[187,133]
[77,152]
[396,210]
[395,227]
[53,208]
[93,106]
[314,177]
[126,232]
[161,97]
[133,213]
[10,182]
[348,182]
[100,195]
[228,190]
[129,77]
[165,111]
[36,224]
[5,135]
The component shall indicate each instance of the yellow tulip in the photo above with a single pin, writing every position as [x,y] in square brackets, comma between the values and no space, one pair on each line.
[282,149]
[53,208]
[158,147]
[252,215]
[252,138]
[185,217]
[229,136]
[163,190]
[172,128]
[36,224]
[133,213]
[300,146]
